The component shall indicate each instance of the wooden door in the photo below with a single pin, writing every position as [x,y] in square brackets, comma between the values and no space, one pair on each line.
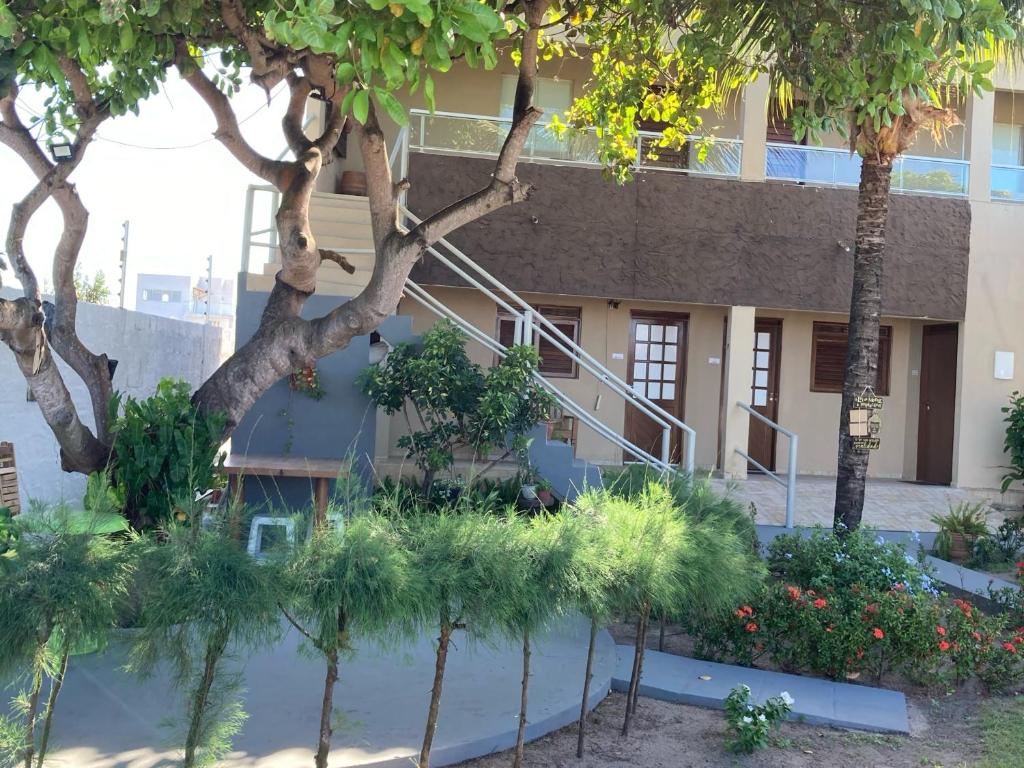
[657,355]
[764,391]
[938,403]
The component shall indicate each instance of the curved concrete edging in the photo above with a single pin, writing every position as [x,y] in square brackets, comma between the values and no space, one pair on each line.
[109,719]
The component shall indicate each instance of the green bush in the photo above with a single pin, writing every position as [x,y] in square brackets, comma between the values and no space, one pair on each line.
[450,403]
[751,725]
[165,451]
[1014,442]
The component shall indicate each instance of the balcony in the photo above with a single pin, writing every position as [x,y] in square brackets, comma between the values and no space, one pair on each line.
[838,168]
[1008,183]
[452,133]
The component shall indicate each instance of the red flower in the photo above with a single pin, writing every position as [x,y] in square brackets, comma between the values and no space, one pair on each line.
[739,614]
[943,646]
[976,636]
[828,628]
[811,592]
[820,602]
[860,653]
[965,608]
[899,587]
[1018,640]
[1010,647]
[941,631]
[794,592]
[751,627]
[878,633]
[872,608]
[747,610]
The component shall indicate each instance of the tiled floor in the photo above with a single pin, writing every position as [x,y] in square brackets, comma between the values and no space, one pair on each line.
[892,505]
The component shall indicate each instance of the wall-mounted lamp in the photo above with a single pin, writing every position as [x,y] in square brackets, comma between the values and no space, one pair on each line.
[613,303]
[62,152]
[318,93]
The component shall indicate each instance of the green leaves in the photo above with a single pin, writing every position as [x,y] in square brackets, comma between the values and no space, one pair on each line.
[8,22]
[361,105]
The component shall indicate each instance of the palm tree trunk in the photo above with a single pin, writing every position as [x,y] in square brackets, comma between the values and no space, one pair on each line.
[435,693]
[214,650]
[861,370]
[517,761]
[581,731]
[51,702]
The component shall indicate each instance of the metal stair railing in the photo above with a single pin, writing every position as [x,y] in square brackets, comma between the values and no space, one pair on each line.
[434,305]
[790,482]
[533,322]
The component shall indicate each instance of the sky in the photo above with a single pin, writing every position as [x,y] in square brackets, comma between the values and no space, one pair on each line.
[184,203]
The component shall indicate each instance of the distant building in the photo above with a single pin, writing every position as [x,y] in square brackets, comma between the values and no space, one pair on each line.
[176,296]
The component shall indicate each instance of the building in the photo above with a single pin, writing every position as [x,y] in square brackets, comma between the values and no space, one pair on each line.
[176,296]
[718,281]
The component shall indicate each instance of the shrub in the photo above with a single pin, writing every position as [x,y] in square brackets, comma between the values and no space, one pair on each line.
[1009,538]
[165,451]
[750,725]
[457,405]
[1014,441]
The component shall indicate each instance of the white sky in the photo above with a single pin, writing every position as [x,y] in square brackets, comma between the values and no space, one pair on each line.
[183,204]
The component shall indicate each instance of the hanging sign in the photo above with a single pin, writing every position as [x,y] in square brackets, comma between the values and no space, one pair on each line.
[866,421]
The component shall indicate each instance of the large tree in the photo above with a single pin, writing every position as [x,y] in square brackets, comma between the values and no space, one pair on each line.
[100,58]
[874,71]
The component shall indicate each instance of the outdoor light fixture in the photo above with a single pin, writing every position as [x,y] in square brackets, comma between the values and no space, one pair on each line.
[62,153]
[318,93]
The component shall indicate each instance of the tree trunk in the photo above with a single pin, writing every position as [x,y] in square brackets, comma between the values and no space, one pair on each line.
[31,716]
[588,676]
[51,703]
[323,748]
[214,650]
[661,632]
[861,371]
[435,693]
[634,678]
[640,665]
[517,761]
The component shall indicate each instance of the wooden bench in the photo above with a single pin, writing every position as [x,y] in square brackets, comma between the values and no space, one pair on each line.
[238,466]
[9,496]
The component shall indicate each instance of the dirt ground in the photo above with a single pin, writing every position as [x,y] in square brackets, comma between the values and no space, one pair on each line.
[663,735]
[945,733]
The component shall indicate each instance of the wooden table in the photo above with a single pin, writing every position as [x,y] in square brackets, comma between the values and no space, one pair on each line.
[323,471]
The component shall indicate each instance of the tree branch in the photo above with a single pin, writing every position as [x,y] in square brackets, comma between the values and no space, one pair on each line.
[337,258]
[270,64]
[291,123]
[228,132]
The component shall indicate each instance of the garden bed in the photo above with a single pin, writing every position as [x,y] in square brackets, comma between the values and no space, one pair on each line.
[964,730]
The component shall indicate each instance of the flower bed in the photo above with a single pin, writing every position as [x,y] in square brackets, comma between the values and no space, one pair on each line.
[843,608]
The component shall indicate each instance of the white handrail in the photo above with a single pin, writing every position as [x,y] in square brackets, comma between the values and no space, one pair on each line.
[790,482]
[440,309]
[563,343]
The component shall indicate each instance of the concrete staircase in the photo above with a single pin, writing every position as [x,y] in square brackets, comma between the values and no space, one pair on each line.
[557,464]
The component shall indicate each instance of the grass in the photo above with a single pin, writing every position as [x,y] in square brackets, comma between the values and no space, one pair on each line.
[1002,727]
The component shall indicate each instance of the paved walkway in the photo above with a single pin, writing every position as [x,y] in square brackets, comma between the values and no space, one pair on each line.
[706,684]
[893,505]
[107,719]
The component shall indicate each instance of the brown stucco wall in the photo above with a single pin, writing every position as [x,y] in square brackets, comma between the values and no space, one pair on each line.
[670,237]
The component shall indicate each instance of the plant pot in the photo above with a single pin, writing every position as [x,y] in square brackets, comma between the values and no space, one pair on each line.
[528,492]
[353,183]
[960,547]
[546,497]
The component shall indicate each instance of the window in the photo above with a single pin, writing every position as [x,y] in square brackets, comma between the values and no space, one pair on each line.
[553,362]
[1007,144]
[165,297]
[828,357]
[551,95]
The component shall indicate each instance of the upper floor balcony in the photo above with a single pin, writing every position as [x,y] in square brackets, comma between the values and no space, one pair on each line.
[468,135]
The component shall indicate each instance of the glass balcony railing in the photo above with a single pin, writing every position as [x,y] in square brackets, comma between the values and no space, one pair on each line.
[837,168]
[1008,183]
[475,135]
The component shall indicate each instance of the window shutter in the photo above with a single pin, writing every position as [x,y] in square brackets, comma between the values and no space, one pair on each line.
[554,362]
[506,331]
[828,356]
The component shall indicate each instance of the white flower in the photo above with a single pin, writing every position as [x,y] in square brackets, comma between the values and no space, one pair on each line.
[748,720]
[787,698]
[762,718]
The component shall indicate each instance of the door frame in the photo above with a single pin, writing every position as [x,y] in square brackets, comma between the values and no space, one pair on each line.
[683,318]
[923,382]
[774,372]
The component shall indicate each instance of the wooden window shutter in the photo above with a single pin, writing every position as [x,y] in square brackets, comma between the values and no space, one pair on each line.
[828,357]
[554,362]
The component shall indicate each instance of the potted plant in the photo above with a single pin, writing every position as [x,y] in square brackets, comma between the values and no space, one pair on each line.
[959,529]
[544,492]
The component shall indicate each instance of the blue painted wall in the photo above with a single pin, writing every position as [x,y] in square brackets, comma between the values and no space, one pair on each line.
[342,421]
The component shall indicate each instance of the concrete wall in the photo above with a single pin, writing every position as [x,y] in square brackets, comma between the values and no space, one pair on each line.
[671,237]
[284,422]
[147,348]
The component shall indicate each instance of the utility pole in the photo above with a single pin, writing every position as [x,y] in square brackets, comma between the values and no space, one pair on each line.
[124,261]
[209,285]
